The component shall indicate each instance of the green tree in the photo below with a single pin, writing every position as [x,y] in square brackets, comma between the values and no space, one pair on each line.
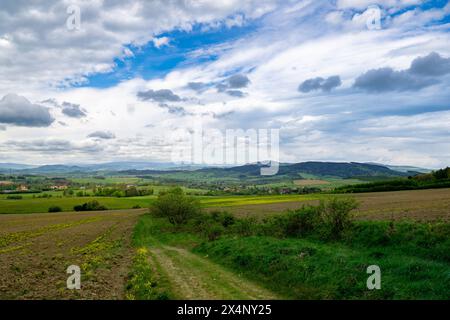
[176,206]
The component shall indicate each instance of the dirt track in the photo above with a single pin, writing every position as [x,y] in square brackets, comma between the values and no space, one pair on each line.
[194,277]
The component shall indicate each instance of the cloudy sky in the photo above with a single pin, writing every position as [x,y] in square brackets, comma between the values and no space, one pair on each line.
[118,84]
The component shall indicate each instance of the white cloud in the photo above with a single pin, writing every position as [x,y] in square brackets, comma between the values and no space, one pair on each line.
[160,42]
[295,42]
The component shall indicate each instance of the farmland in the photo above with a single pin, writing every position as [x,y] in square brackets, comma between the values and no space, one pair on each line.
[129,254]
[36,250]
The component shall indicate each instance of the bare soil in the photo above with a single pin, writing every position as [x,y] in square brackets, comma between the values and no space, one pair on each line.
[36,249]
[418,205]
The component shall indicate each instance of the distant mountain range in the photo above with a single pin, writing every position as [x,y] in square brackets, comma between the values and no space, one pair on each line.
[337,169]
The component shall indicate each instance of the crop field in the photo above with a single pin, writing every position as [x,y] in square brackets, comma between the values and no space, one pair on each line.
[36,249]
[419,205]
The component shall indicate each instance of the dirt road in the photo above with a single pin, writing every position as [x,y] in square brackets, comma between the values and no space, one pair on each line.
[193,277]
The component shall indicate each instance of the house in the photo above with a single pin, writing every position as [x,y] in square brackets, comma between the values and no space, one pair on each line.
[22,188]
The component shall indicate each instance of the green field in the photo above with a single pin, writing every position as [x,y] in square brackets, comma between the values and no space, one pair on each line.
[30,205]
[36,205]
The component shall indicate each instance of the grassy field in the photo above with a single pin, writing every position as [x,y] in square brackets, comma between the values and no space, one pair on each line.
[293,268]
[421,205]
[36,205]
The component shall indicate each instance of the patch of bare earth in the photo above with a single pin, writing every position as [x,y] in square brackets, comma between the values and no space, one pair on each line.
[36,249]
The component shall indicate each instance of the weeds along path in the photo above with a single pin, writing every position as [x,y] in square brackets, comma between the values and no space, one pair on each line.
[193,277]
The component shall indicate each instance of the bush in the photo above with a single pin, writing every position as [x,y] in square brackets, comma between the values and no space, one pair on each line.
[244,227]
[54,209]
[176,206]
[295,223]
[14,197]
[90,206]
[336,216]
[330,220]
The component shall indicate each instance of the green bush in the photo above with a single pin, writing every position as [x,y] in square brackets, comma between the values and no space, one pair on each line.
[294,223]
[13,197]
[90,206]
[336,216]
[54,209]
[245,227]
[176,206]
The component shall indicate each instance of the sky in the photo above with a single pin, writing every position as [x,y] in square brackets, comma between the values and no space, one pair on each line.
[121,80]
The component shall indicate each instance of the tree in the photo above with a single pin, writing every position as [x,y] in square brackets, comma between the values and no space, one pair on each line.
[176,206]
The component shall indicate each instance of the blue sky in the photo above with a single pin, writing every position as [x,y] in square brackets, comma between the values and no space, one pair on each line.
[132,75]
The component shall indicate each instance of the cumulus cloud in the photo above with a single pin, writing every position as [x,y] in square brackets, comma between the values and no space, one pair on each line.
[53,145]
[198,86]
[423,72]
[319,83]
[34,33]
[106,135]
[231,84]
[430,65]
[237,81]
[160,42]
[162,95]
[73,110]
[17,110]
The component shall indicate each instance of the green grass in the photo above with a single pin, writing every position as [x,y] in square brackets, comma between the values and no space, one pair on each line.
[414,260]
[307,269]
[38,205]
[30,205]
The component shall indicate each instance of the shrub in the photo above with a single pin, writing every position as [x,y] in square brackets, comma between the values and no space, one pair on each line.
[245,227]
[14,197]
[54,209]
[295,223]
[176,206]
[90,206]
[336,216]
[226,219]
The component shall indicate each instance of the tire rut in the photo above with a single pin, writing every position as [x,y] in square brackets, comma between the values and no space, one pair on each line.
[194,277]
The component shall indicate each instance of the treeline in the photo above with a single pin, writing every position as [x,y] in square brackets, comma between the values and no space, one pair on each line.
[434,180]
[111,192]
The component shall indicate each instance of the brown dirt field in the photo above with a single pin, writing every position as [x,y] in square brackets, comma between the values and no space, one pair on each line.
[419,205]
[36,249]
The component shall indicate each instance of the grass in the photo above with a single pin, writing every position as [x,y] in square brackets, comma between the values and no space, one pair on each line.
[226,201]
[307,269]
[38,205]
[30,205]
[413,257]
[142,283]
